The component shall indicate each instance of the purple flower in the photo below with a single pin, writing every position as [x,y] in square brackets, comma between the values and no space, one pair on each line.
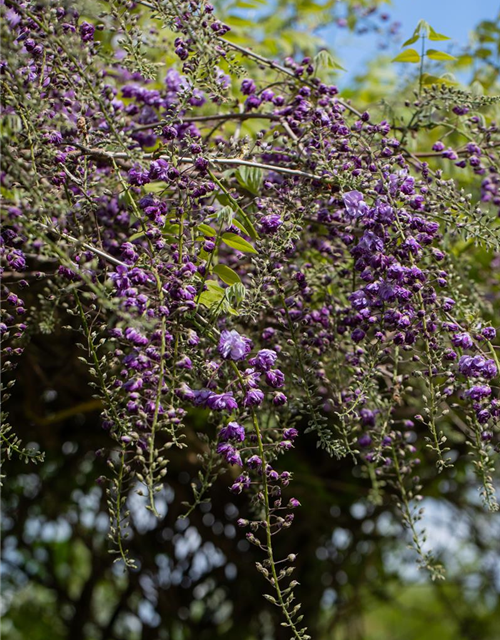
[201,163]
[279,399]
[271,223]
[268,333]
[135,337]
[54,137]
[354,204]
[184,363]
[448,303]
[264,360]
[222,402]
[478,392]
[248,87]
[489,333]
[158,169]
[16,260]
[201,397]
[253,398]
[251,378]
[254,462]
[13,18]
[134,384]
[483,416]
[230,453]
[357,335]
[232,431]
[137,176]
[234,346]
[365,440]
[253,102]
[242,482]
[490,369]
[462,340]
[87,31]
[275,378]
[471,367]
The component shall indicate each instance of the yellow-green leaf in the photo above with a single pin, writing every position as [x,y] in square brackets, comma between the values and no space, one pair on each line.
[226,274]
[250,178]
[237,242]
[211,297]
[324,59]
[411,40]
[408,55]
[428,80]
[207,230]
[434,35]
[136,236]
[238,224]
[433,54]
[423,28]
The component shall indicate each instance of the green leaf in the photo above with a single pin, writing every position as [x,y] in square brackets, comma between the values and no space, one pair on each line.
[250,178]
[136,236]
[226,274]
[433,54]
[236,242]
[483,53]
[433,35]
[423,28]
[207,230]
[170,229]
[236,21]
[476,88]
[223,199]
[212,296]
[238,224]
[225,215]
[429,80]
[408,55]
[325,59]
[411,40]
[236,292]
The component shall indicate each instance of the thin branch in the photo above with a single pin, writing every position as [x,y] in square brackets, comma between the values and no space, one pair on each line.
[85,245]
[209,118]
[222,161]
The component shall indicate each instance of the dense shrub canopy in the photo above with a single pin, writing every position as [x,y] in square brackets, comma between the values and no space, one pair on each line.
[280,302]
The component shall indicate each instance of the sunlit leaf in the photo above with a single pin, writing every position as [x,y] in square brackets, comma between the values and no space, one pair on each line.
[408,55]
[136,236]
[423,28]
[250,178]
[226,274]
[428,80]
[207,230]
[432,54]
[237,242]
[434,35]
[411,40]
[325,59]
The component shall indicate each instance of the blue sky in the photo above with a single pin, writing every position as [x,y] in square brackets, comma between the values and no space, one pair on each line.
[455,18]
